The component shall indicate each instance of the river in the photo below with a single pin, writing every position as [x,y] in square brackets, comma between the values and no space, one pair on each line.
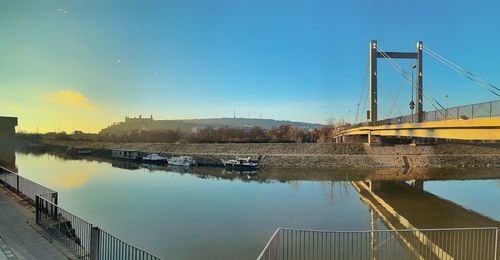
[207,213]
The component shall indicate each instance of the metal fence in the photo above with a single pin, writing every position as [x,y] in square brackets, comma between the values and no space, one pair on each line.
[474,111]
[458,243]
[111,247]
[80,237]
[71,230]
[25,187]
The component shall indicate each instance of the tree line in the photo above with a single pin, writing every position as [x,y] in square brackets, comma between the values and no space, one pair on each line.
[280,134]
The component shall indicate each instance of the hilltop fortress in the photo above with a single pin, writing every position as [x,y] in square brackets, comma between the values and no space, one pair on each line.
[149,123]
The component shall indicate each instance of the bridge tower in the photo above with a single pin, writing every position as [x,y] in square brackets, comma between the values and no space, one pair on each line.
[374,55]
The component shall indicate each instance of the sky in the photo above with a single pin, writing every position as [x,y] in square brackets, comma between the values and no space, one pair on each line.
[83,64]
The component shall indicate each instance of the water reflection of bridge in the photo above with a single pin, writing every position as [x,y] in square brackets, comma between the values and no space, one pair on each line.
[405,205]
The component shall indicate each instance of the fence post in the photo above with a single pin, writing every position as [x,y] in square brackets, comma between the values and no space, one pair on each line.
[496,243]
[55,201]
[94,243]
[491,108]
[38,214]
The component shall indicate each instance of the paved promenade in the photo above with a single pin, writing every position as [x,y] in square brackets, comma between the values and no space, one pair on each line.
[20,237]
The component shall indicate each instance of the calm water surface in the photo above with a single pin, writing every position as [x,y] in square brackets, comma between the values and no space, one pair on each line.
[211,215]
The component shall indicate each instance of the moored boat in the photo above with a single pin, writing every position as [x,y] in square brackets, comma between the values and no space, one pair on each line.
[181,161]
[154,158]
[75,151]
[125,154]
[84,152]
[240,163]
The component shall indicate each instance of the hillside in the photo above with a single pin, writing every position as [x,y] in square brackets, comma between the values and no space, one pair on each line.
[132,124]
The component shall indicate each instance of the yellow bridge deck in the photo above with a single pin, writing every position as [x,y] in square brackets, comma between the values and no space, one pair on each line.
[473,129]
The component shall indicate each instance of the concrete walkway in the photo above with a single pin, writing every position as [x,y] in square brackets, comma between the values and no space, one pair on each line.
[20,237]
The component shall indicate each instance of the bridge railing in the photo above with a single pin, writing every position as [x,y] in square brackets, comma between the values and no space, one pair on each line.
[474,111]
[458,243]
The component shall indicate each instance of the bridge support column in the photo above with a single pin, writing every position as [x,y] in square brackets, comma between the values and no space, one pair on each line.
[373,82]
[419,82]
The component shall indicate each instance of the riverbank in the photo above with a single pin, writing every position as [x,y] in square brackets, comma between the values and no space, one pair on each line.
[313,155]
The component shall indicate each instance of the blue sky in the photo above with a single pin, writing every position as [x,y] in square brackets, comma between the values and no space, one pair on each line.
[85,64]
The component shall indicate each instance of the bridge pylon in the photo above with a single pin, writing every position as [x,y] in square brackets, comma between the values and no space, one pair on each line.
[376,53]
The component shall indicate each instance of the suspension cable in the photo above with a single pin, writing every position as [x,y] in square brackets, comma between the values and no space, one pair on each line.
[469,75]
[460,68]
[362,93]
[398,68]
[365,102]
[396,98]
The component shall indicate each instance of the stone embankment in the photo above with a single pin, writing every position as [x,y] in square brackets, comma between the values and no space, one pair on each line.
[313,155]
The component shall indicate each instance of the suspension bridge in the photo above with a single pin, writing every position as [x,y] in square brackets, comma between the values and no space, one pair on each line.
[479,121]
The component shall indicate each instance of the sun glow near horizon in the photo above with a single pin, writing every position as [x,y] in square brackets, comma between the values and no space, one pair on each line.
[65,110]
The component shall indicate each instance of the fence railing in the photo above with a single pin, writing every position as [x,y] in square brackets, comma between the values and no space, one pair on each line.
[457,243]
[474,111]
[71,230]
[26,187]
[80,237]
[111,247]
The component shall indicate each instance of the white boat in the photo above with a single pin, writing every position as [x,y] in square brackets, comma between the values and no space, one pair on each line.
[240,163]
[154,158]
[181,161]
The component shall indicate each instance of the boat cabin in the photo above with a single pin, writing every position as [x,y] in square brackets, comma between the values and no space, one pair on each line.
[126,154]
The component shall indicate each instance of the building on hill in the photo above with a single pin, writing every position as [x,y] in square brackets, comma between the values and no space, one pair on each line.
[138,119]
[134,124]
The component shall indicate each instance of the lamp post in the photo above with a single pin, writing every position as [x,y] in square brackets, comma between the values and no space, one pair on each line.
[412,104]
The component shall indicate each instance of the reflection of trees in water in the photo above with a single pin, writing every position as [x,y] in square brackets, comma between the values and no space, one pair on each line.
[294,185]
[498,183]
[336,191]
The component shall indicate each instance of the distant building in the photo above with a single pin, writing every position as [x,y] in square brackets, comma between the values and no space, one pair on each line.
[7,127]
[7,134]
[138,119]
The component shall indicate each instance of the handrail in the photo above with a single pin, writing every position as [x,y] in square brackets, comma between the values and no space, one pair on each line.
[398,230]
[426,243]
[82,238]
[93,241]
[269,242]
[494,111]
